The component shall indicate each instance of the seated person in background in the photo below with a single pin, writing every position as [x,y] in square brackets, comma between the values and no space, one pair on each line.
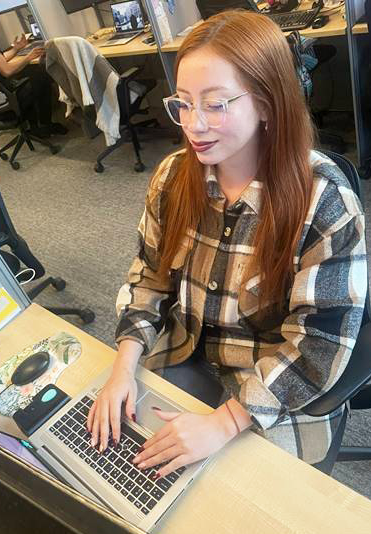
[36,104]
[249,286]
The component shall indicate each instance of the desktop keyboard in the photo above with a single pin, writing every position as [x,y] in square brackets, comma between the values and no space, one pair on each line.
[294,20]
[115,464]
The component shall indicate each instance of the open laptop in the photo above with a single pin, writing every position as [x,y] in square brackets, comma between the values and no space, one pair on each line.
[129,22]
[110,478]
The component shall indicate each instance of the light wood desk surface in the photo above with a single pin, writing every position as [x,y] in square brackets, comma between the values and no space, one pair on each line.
[133,48]
[251,486]
[335,26]
[360,28]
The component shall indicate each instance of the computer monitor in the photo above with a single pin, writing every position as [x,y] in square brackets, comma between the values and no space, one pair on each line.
[72,6]
[208,8]
[128,15]
[9,5]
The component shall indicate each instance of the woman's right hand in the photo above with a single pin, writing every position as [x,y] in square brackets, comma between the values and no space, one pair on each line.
[106,410]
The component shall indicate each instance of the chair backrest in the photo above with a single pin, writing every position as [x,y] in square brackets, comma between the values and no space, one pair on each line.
[19,247]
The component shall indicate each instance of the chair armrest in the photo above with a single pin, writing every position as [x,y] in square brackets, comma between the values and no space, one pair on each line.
[356,374]
[130,74]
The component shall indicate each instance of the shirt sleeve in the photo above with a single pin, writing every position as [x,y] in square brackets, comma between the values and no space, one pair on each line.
[144,300]
[325,313]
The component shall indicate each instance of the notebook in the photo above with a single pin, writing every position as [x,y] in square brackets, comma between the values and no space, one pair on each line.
[129,22]
[110,478]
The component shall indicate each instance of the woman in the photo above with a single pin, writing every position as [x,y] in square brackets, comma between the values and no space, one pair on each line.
[35,98]
[251,274]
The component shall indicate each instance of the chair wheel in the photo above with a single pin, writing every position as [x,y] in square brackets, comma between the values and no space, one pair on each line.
[59,284]
[4,156]
[98,167]
[139,166]
[87,315]
[55,149]
[15,165]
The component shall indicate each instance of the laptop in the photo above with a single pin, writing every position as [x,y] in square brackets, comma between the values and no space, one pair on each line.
[129,22]
[111,479]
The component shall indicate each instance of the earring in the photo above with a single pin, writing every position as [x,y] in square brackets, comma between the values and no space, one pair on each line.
[266,126]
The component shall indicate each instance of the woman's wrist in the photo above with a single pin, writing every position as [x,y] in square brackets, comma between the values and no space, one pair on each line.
[129,352]
[233,418]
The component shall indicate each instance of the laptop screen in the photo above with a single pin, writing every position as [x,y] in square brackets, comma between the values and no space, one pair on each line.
[35,30]
[128,16]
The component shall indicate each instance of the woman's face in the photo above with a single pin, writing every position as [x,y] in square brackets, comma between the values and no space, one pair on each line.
[205,75]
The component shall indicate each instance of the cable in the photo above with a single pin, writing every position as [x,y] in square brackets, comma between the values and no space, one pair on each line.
[33,274]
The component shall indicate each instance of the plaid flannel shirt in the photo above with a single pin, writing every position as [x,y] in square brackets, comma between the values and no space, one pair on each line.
[277,365]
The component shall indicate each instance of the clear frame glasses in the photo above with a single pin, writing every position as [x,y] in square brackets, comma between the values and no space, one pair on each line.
[212,112]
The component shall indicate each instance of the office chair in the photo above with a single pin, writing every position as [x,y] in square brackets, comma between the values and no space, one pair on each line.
[353,384]
[12,117]
[21,252]
[324,53]
[128,129]
[90,82]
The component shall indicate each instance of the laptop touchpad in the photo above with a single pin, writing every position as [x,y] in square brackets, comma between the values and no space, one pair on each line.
[147,417]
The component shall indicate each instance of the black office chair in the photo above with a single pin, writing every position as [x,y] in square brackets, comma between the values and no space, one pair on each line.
[128,129]
[324,54]
[12,117]
[20,252]
[353,384]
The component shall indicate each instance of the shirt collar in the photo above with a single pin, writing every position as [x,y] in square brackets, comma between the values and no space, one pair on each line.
[251,195]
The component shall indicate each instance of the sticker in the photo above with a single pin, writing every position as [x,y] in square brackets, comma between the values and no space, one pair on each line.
[8,307]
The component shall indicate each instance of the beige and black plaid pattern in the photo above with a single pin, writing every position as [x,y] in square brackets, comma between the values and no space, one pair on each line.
[276,365]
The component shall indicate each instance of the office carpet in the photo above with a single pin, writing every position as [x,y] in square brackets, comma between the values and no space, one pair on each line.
[82,226]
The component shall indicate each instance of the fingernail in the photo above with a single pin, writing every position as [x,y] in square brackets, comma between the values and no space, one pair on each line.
[157,475]
[141,466]
[134,417]
[135,460]
[93,442]
[101,449]
[115,443]
[155,408]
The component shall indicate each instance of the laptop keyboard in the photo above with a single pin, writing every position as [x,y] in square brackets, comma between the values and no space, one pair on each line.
[115,464]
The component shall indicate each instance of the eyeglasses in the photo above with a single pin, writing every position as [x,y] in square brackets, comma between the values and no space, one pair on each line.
[212,112]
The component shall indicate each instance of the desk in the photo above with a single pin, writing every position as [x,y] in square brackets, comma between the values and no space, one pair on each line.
[133,48]
[265,491]
[335,26]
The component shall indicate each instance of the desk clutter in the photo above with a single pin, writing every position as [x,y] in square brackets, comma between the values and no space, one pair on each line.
[63,349]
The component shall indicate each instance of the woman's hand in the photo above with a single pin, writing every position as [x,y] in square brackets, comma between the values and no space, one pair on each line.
[120,388]
[106,410]
[36,53]
[186,438]
[18,44]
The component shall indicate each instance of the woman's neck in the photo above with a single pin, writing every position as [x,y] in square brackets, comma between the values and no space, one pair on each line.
[235,175]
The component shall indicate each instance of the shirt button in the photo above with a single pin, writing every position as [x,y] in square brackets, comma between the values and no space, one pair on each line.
[227,231]
[213,285]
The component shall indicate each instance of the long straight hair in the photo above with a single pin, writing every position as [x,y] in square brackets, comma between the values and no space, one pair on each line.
[259,52]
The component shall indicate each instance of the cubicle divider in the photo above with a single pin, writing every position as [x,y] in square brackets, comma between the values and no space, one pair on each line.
[359,59]
[13,300]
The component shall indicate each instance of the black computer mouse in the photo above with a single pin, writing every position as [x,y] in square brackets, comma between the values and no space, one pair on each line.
[320,21]
[31,368]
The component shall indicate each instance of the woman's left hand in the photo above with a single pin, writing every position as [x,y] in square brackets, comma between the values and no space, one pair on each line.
[185,438]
